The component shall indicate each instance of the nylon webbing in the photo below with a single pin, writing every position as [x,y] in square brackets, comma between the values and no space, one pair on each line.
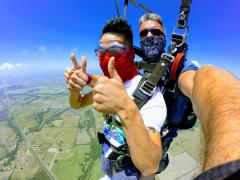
[186,3]
[149,67]
[148,84]
[185,7]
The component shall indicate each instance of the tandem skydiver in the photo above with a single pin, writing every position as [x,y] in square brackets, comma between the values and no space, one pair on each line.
[214,94]
[153,43]
[131,140]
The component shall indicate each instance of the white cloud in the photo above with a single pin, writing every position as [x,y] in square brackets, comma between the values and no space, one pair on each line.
[6,66]
[19,65]
[42,48]
[24,51]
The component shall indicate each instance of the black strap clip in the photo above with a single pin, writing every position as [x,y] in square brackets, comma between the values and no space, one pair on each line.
[121,162]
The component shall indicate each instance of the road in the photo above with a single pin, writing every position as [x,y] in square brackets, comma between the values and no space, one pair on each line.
[45,168]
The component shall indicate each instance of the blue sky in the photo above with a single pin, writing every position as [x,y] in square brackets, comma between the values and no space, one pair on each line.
[39,35]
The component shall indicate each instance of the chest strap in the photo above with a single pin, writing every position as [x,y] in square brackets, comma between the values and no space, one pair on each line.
[147,85]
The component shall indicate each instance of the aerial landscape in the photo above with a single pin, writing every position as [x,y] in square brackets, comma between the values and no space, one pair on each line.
[43,138]
[39,130]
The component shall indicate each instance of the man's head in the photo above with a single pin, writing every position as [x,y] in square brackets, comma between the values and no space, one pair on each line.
[116,40]
[152,36]
[117,29]
[151,21]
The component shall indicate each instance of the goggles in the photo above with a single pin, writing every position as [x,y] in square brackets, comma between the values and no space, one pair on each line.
[115,50]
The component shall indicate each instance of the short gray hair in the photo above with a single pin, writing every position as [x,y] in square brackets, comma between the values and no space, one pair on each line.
[152,17]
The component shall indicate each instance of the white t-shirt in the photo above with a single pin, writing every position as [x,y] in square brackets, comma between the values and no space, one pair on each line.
[154,112]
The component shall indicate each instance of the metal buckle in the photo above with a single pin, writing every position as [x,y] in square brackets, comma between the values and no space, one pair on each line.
[179,38]
[182,20]
[147,88]
[167,57]
[122,161]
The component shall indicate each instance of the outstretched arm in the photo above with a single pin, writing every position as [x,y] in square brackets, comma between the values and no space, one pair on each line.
[185,83]
[216,100]
[145,147]
[110,96]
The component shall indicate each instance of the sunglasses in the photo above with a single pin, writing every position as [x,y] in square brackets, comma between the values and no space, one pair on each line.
[115,50]
[154,32]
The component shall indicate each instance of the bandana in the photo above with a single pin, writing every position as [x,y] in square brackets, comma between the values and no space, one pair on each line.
[153,47]
[124,65]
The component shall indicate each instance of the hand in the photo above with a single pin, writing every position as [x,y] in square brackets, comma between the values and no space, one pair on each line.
[69,71]
[76,77]
[109,95]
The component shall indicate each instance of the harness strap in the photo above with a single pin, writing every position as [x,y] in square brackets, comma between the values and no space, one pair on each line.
[175,65]
[120,157]
[149,82]
[185,7]
[149,67]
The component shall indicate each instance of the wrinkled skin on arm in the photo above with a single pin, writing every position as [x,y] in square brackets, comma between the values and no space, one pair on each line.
[216,100]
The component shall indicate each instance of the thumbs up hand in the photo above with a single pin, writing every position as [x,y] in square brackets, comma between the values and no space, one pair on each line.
[109,94]
[76,77]
[112,70]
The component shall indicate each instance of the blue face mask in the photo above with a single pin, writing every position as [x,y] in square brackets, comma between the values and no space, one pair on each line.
[153,47]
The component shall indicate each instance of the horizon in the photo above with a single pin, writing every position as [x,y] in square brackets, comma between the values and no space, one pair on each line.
[38,37]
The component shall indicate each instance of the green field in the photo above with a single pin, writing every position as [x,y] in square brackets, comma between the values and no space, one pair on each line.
[63,138]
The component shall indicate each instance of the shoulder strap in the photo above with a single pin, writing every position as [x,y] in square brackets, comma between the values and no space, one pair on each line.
[148,83]
[177,61]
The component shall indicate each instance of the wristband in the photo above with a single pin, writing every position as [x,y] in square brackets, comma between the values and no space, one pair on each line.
[89,78]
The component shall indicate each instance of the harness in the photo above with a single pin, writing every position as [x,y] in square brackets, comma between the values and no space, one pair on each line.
[120,156]
[154,76]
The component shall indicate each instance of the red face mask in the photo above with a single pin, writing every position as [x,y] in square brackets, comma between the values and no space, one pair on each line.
[124,65]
